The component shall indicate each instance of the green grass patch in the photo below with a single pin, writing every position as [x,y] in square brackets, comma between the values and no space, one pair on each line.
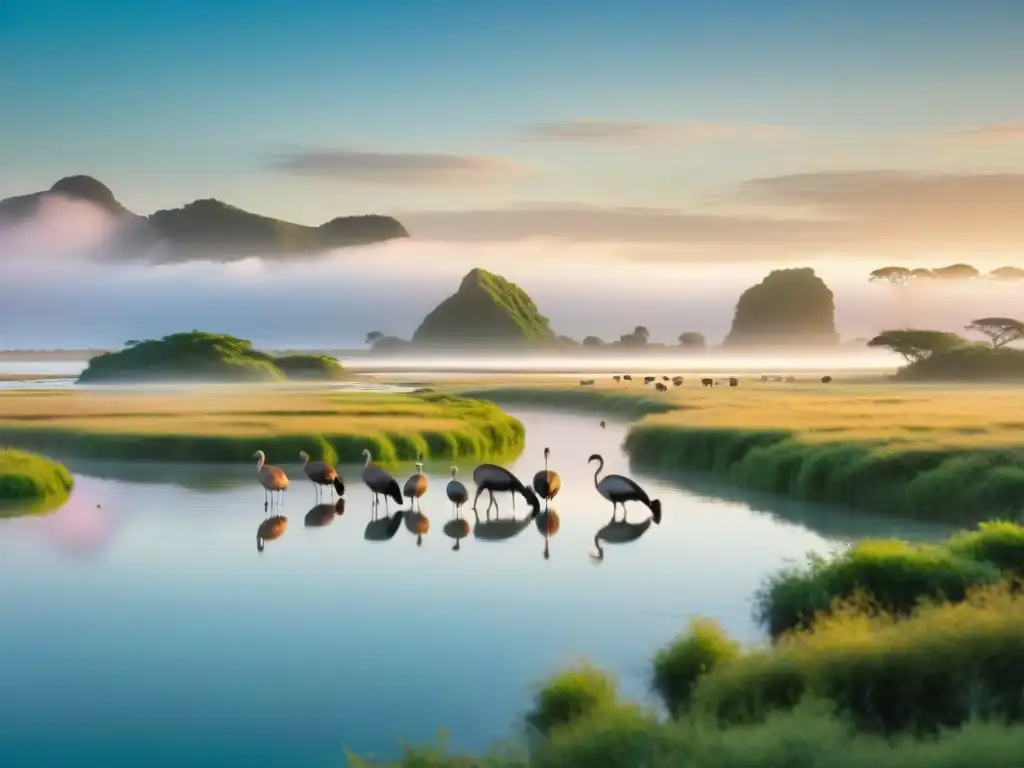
[678,666]
[228,426]
[30,483]
[600,401]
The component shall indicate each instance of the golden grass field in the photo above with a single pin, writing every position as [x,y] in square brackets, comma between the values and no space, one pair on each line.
[230,421]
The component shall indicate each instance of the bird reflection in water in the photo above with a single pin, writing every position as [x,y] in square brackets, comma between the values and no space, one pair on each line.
[417,524]
[383,528]
[620,532]
[547,523]
[324,514]
[502,529]
[270,529]
[456,529]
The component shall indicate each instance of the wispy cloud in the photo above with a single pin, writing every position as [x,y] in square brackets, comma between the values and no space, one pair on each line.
[1010,131]
[638,132]
[854,212]
[396,168]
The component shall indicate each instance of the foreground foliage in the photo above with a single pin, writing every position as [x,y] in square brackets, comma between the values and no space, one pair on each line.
[31,483]
[943,688]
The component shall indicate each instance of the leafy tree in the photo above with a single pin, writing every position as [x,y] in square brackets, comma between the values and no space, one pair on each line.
[921,273]
[592,341]
[692,340]
[915,345]
[638,338]
[894,275]
[956,272]
[373,337]
[132,342]
[641,330]
[1000,330]
[1007,273]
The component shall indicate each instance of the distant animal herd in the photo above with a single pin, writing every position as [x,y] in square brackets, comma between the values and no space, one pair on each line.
[677,381]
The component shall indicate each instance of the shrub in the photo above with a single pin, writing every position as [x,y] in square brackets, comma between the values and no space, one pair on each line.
[678,665]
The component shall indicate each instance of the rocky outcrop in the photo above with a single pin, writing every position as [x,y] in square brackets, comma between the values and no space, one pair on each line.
[790,307]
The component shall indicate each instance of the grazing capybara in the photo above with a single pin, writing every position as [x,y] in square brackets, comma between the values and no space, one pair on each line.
[627,377]
[617,379]
[826,379]
[764,379]
[649,379]
[677,381]
[586,382]
[661,387]
[664,378]
[734,382]
[707,382]
[790,379]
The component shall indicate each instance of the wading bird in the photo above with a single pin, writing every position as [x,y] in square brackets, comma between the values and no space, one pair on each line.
[492,478]
[416,485]
[619,489]
[457,493]
[271,478]
[321,473]
[380,482]
[547,483]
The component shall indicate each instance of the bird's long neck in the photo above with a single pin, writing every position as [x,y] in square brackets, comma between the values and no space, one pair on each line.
[305,461]
[597,546]
[545,461]
[259,463]
[600,466]
[368,457]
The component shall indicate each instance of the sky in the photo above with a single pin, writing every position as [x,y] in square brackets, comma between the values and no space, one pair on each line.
[614,140]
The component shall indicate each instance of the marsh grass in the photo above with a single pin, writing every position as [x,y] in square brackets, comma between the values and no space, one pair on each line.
[678,666]
[229,425]
[30,483]
[944,454]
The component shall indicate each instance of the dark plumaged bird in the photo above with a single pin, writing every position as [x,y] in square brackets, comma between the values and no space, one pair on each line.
[456,492]
[619,489]
[322,474]
[270,529]
[547,483]
[416,485]
[273,479]
[495,479]
[380,482]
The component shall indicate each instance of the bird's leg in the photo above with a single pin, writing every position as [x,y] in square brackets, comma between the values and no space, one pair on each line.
[476,498]
[386,510]
[623,511]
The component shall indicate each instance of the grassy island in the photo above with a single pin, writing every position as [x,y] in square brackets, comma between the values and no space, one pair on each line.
[943,453]
[204,357]
[218,425]
[31,483]
[932,683]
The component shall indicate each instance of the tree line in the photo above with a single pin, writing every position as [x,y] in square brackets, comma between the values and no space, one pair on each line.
[898,275]
[638,338]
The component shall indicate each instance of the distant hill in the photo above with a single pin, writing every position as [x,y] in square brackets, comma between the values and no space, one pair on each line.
[790,307]
[201,356]
[208,228]
[486,309]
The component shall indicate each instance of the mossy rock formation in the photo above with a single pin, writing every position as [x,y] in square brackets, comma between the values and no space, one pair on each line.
[790,307]
[209,227]
[486,309]
[207,357]
[30,483]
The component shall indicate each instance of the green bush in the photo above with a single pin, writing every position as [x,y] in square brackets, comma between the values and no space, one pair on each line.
[997,542]
[312,367]
[571,695]
[31,483]
[893,575]
[678,665]
[937,669]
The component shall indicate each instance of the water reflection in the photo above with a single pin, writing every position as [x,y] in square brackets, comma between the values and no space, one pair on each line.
[620,532]
[547,523]
[501,529]
[324,514]
[270,529]
[418,524]
[383,528]
[457,529]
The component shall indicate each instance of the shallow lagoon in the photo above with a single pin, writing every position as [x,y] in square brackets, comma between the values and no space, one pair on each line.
[143,627]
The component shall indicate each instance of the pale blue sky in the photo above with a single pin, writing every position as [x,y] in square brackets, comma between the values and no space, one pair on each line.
[169,101]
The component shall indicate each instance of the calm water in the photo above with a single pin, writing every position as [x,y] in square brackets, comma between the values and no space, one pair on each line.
[142,627]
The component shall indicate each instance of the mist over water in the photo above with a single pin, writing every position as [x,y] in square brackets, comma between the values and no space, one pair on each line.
[53,296]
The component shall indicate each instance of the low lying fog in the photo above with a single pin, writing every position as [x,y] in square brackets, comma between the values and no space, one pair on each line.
[52,296]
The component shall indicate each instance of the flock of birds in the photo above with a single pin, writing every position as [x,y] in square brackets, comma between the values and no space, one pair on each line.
[492,478]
